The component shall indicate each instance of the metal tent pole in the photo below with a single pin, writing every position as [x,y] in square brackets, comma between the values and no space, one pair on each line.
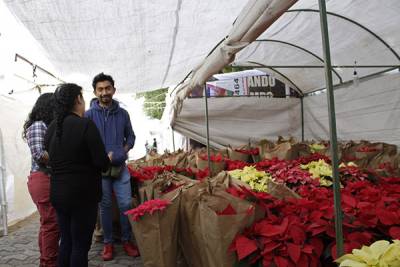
[173,139]
[332,127]
[302,118]
[207,135]
[3,196]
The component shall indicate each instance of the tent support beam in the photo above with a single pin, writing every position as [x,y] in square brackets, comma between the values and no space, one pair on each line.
[302,49]
[302,118]
[280,73]
[332,128]
[3,194]
[173,139]
[321,67]
[366,77]
[18,56]
[353,22]
[208,138]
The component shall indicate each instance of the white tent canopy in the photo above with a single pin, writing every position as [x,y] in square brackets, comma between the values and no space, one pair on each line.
[144,44]
[365,32]
[151,44]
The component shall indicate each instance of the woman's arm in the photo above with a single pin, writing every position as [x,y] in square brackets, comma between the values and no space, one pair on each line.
[35,138]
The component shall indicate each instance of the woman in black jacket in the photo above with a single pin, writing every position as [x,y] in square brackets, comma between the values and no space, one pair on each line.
[77,158]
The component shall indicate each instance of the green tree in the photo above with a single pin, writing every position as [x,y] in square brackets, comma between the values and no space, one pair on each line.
[154,102]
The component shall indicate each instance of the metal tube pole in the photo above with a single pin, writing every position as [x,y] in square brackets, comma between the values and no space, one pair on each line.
[173,139]
[207,134]
[332,128]
[302,118]
[3,196]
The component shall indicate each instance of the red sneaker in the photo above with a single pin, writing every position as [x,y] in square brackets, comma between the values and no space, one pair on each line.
[107,254]
[130,249]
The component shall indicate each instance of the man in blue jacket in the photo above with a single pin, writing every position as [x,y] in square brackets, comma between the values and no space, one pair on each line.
[116,131]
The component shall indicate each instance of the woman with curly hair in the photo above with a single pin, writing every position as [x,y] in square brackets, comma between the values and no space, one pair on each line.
[77,158]
[34,131]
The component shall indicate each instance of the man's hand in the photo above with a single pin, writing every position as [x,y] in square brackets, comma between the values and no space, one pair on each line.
[110,155]
[126,148]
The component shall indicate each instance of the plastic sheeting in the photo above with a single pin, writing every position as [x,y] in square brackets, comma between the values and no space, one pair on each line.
[349,41]
[362,31]
[366,112]
[369,111]
[17,159]
[233,121]
[145,45]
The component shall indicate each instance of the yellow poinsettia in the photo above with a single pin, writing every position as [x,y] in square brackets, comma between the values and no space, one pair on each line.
[316,147]
[257,180]
[381,253]
[319,169]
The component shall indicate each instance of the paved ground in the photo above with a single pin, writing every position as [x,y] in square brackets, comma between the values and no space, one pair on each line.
[20,248]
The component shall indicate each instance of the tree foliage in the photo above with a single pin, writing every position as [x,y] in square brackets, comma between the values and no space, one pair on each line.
[154,102]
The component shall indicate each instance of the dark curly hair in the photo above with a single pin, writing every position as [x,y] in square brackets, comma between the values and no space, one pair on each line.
[43,110]
[65,96]
[101,77]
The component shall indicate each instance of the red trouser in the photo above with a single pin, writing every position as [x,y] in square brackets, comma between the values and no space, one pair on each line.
[49,235]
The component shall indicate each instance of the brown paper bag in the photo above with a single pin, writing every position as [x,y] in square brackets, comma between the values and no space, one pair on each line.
[303,149]
[157,234]
[262,146]
[154,188]
[285,151]
[280,191]
[235,155]
[216,167]
[385,163]
[206,236]
[363,158]
[178,159]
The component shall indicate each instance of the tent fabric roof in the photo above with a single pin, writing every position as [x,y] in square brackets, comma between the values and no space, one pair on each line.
[145,45]
[152,44]
[361,31]
[365,31]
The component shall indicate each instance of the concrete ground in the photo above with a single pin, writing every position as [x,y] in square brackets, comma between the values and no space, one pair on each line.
[20,248]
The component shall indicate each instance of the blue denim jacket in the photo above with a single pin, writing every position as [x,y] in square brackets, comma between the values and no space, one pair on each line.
[115,129]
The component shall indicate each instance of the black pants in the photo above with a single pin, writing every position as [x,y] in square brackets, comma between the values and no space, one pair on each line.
[76,227]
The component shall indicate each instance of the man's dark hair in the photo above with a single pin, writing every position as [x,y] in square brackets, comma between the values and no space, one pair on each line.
[101,77]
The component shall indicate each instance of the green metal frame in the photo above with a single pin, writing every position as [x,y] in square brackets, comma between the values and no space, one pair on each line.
[280,73]
[207,136]
[351,21]
[332,128]
[300,48]
[321,67]
[338,86]
[302,117]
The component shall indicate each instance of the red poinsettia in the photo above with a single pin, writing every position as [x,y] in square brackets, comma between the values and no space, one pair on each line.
[214,158]
[253,151]
[312,157]
[235,164]
[148,173]
[148,207]
[202,174]
[367,149]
